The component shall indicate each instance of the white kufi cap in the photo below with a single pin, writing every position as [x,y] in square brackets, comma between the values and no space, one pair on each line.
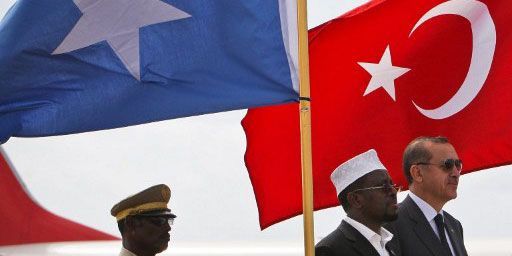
[355,168]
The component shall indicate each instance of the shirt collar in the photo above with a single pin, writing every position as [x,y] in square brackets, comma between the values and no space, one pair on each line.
[429,211]
[384,236]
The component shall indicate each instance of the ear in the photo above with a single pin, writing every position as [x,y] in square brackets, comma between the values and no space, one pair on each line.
[416,173]
[355,200]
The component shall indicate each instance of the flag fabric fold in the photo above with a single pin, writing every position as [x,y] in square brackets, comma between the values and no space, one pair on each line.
[24,221]
[382,75]
[76,66]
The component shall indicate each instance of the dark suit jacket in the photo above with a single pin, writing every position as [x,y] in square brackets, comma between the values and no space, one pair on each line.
[347,241]
[416,237]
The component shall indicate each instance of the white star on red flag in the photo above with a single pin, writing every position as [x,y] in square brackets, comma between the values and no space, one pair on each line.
[383,74]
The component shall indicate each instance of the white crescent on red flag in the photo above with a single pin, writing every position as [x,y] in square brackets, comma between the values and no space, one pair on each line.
[382,75]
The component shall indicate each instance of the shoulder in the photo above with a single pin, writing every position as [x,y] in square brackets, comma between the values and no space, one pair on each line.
[404,215]
[408,217]
[331,239]
[323,251]
[449,217]
[332,243]
[408,210]
[452,220]
[408,202]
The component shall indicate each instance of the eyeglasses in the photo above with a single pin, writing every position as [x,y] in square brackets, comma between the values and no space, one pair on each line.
[160,220]
[386,187]
[447,165]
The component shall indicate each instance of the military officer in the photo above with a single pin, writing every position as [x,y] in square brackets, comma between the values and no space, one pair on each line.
[144,221]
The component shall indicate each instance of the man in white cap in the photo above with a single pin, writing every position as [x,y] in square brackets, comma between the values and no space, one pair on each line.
[144,221]
[368,196]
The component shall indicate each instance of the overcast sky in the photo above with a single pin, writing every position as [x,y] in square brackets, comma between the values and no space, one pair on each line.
[201,158]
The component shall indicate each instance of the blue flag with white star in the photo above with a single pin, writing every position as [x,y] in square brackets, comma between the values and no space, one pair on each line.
[71,66]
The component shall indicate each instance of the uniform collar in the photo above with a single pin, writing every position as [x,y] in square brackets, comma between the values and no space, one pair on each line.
[126,252]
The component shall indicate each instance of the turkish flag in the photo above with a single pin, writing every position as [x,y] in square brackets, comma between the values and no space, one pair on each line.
[382,75]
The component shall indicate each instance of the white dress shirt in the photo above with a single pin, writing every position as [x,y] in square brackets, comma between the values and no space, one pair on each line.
[378,241]
[430,213]
[125,252]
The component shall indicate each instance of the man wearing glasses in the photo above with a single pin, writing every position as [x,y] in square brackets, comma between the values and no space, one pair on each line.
[368,196]
[144,221]
[432,168]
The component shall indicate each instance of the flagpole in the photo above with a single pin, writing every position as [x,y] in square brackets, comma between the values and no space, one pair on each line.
[305,129]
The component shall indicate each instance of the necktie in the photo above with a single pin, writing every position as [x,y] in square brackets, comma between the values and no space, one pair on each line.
[442,236]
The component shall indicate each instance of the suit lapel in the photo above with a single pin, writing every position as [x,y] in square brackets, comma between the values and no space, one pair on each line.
[392,250]
[454,238]
[422,228]
[359,242]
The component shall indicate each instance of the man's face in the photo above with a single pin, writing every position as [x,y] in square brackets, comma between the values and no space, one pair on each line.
[152,233]
[380,204]
[439,182]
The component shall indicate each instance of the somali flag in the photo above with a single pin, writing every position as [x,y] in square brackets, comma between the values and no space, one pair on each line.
[75,66]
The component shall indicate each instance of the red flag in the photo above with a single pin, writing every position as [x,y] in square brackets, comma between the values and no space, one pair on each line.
[23,221]
[382,75]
